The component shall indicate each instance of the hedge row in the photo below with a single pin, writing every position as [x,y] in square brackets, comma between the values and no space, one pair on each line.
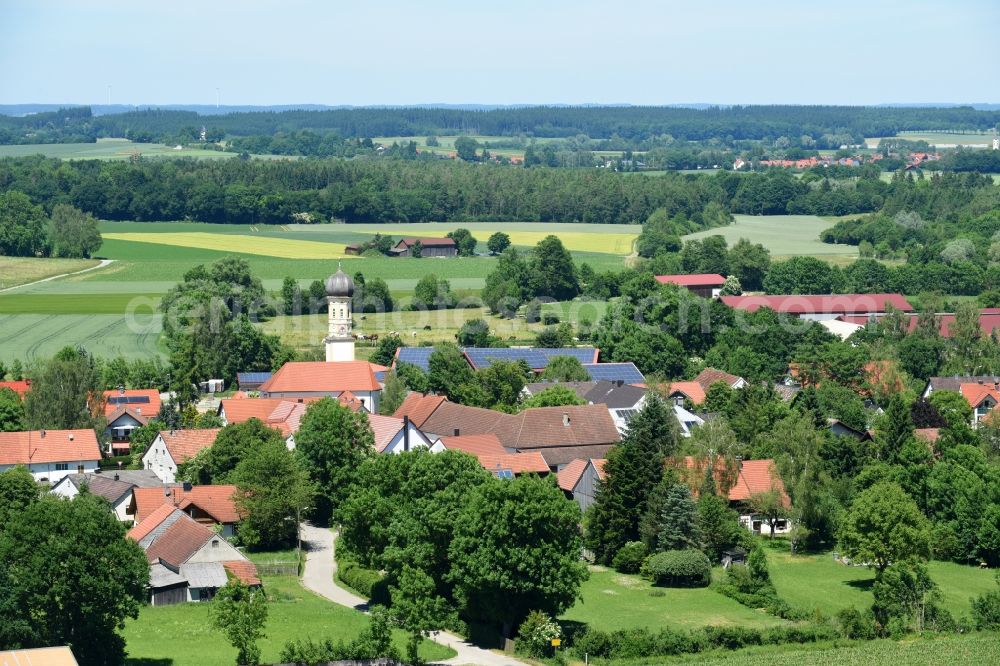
[640,643]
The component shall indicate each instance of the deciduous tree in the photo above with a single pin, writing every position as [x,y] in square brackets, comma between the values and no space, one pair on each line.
[240,612]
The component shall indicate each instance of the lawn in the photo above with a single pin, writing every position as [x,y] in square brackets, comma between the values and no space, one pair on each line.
[980,649]
[31,336]
[182,635]
[613,601]
[21,270]
[819,582]
[783,235]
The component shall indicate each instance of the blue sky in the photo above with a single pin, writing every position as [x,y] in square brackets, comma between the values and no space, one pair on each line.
[499,52]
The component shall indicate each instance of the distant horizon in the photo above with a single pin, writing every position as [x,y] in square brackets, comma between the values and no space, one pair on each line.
[584,52]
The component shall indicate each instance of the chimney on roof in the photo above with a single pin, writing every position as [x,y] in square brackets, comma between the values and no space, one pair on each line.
[457,432]
[186,486]
[121,390]
[565,419]
[117,478]
[619,382]
[42,433]
[71,437]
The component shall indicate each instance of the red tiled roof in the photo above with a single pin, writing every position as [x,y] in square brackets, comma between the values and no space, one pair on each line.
[710,376]
[418,407]
[384,428]
[599,466]
[179,542]
[185,444]
[820,304]
[527,462]
[974,394]
[144,527]
[570,475]
[989,320]
[927,434]
[19,387]
[48,446]
[694,280]
[148,409]
[245,570]
[476,445]
[322,377]
[694,391]
[753,477]
[217,501]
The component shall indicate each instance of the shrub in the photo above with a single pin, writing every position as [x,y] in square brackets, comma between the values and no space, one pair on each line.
[361,580]
[550,318]
[534,638]
[856,625]
[732,638]
[375,642]
[679,568]
[986,610]
[630,557]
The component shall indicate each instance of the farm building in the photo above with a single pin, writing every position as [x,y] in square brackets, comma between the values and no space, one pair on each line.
[989,321]
[580,478]
[821,307]
[706,285]
[321,379]
[430,247]
[212,505]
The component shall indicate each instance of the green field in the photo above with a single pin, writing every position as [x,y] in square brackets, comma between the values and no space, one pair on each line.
[108,149]
[611,601]
[940,139]
[21,270]
[783,235]
[980,649]
[182,635]
[819,582]
[31,336]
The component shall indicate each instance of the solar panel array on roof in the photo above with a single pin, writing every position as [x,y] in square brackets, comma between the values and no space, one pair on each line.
[418,356]
[536,357]
[624,372]
[128,400]
[253,377]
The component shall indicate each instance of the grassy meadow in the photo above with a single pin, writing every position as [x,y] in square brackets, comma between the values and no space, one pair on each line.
[16,271]
[182,634]
[109,149]
[784,235]
[941,139]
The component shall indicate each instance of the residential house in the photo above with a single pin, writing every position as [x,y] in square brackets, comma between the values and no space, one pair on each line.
[982,398]
[126,410]
[212,505]
[706,285]
[493,457]
[173,447]
[841,429]
[580,478]
[749,478]
[560,434]
[430,247]
[115,487]
[396,435]
[822,307]
[682,393]
[622,400]
[20,387]
[710,376]
[954,383]
[321,379]
[188,561]
[50,454]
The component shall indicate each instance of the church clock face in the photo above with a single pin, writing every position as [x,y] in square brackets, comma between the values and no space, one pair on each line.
[341,330]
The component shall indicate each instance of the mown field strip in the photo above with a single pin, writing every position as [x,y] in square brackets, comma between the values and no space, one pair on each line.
[783,235]
[264,246]
[31,336]
[575,241]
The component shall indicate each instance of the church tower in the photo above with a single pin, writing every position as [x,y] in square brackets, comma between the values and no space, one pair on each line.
[340,340]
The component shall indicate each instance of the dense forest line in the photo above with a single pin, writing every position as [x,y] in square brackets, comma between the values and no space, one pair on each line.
[375,190]
[826,125]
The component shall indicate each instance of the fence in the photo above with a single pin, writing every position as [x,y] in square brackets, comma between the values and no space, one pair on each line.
[278,568]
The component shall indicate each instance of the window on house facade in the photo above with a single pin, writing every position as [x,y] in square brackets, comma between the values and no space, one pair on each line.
[61,467]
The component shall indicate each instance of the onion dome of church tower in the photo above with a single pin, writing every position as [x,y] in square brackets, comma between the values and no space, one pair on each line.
[340,285]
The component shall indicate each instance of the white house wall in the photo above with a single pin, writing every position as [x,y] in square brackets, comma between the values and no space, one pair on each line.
[157,459]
